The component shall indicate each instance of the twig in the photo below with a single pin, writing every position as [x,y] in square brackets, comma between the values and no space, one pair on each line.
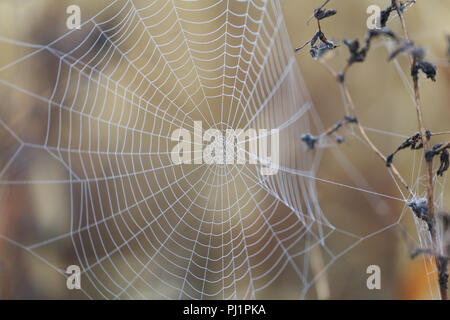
[324,45]
[311,140]
[440,133]
[302,46]
[319,8]
[392,168]
[443,147]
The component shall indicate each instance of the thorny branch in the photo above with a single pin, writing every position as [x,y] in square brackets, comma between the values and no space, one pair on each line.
[422,208]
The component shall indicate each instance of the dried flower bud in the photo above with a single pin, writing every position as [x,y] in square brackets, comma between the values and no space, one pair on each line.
[310,140]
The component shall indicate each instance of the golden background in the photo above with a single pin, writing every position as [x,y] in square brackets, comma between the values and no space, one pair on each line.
[382,102]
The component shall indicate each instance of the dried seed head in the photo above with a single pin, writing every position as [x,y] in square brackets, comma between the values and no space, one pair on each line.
[420,208]
[340,140]
[389,160]
[349,119]
[428,68]
[310,140]
[429,155]
[320,14]
[445,163]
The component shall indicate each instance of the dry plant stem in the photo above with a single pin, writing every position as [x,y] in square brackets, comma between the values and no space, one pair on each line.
[440,133]
[302,46]
[426,145]
[392,168]
[328,131]
[371,144]
[444,146]
[322,285]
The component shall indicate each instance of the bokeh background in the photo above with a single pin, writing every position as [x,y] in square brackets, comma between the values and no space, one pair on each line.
[383,104]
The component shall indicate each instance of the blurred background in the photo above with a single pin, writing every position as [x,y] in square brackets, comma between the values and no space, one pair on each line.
[32,212]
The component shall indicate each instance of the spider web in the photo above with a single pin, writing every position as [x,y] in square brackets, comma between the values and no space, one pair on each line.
[140,226]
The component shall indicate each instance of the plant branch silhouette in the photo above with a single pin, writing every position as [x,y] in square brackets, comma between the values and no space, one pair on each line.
[416,61]
[422,208]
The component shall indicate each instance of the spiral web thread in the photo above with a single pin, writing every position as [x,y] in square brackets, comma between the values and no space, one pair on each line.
[140,226]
